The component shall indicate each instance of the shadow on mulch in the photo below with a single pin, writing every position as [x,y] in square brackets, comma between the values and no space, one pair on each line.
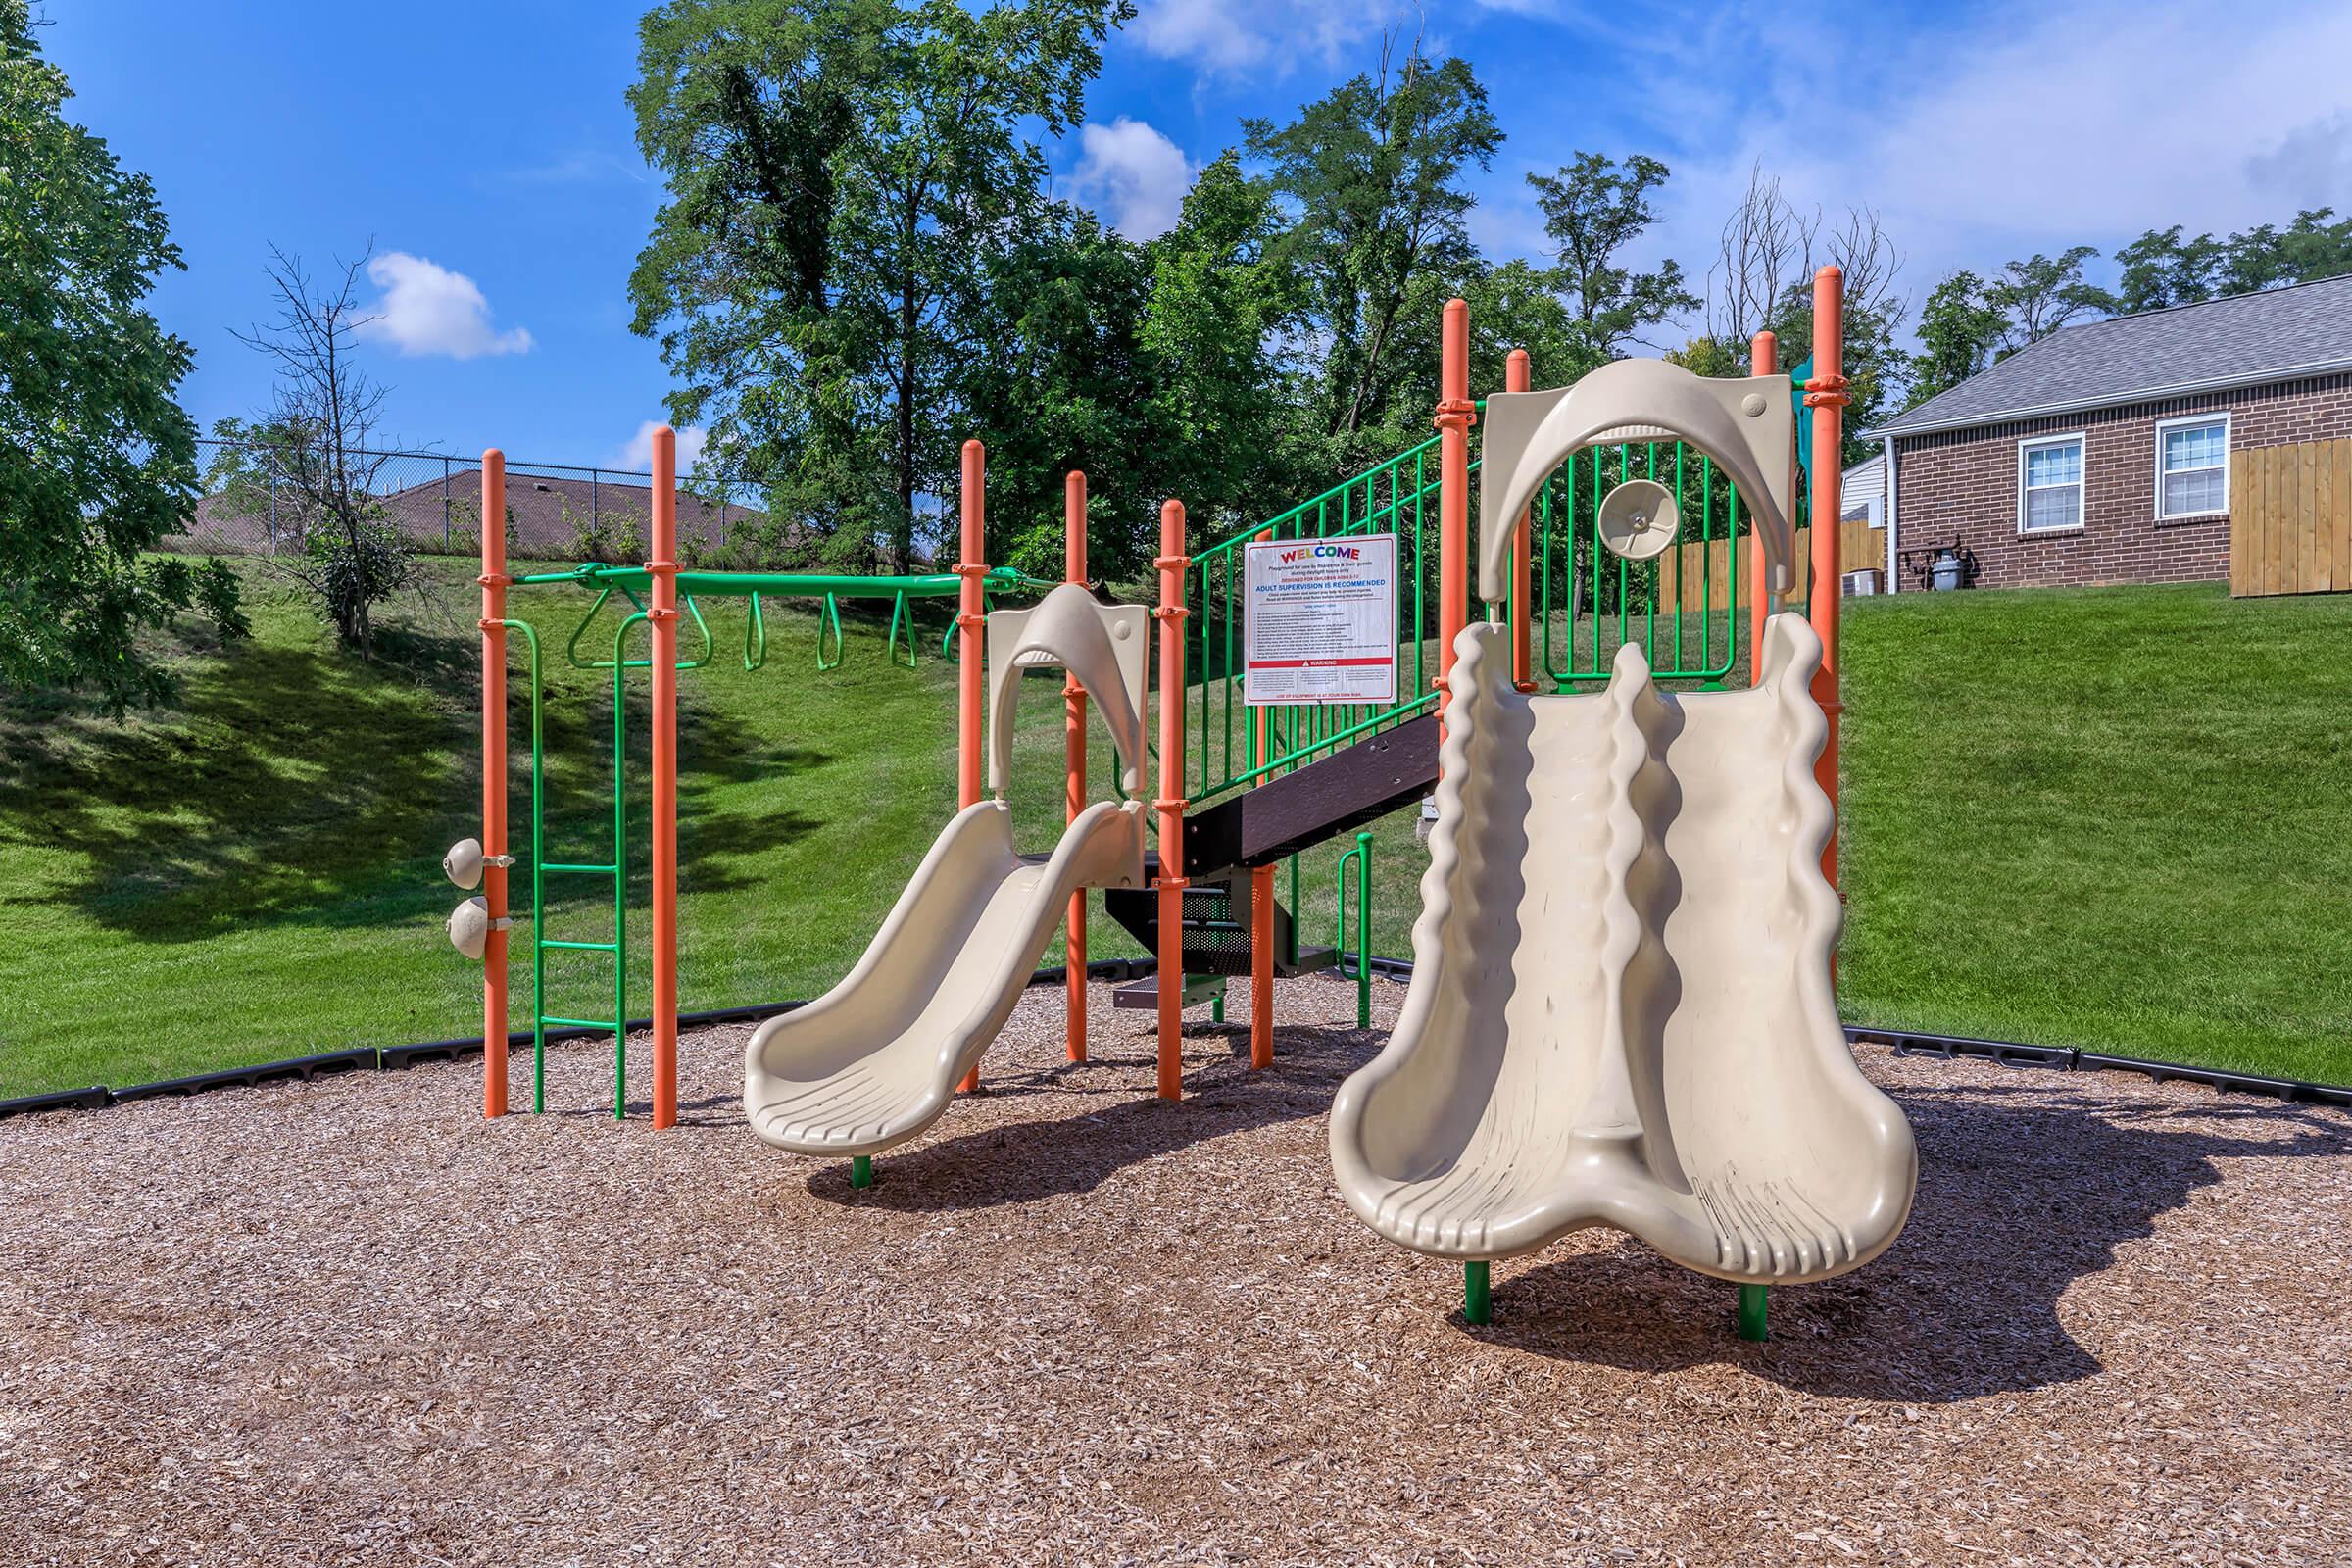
[1020,1162]
[2022,1191]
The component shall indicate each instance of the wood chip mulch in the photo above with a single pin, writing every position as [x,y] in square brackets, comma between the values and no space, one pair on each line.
[350,1322]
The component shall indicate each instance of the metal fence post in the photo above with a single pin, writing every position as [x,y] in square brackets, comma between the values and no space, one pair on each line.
[274,510]
[445,505]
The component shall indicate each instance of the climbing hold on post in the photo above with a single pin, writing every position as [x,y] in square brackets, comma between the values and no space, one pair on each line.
[1478,1302]
[1752,1312]
[862,1170]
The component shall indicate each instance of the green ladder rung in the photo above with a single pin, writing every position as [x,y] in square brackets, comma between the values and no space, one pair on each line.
[599,870]
[605,1024]
[582,947]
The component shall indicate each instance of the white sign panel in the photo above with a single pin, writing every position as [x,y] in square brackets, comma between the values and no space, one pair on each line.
[1321,623]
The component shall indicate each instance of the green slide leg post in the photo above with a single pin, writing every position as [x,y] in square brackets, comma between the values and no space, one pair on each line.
[862,1170]
[1478,1298]
[1752,1312]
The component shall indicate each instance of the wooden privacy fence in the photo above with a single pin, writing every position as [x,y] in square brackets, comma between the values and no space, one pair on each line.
[2290,518]
[1703,583]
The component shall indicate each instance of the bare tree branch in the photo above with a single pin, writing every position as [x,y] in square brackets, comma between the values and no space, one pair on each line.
[316,434]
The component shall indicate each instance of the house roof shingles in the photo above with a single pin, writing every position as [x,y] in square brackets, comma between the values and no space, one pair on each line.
[2246,339]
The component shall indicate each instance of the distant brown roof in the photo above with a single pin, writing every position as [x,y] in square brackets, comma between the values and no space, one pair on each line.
[551,514]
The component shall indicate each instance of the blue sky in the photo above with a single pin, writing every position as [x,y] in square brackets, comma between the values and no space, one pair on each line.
[487,152]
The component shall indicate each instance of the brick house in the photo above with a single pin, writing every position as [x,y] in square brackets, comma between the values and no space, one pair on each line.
[2102,454]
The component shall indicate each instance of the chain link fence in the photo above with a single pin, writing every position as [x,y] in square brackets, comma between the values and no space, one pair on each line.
[556,510]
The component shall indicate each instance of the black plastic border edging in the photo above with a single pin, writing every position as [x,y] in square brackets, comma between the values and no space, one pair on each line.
[2067,1058]
[95,1097]
[1903,1041]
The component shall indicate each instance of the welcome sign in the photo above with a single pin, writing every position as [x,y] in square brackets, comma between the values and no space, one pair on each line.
[1320,626]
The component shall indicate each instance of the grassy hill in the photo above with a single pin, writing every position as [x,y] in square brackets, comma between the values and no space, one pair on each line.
[2114,818]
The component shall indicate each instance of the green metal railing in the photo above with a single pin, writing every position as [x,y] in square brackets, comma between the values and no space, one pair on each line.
[1587,602]
[1397,496]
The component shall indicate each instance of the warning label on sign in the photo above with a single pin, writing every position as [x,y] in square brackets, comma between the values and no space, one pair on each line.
[1321,622]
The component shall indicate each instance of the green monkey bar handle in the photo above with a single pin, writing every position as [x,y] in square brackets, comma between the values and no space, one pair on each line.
[571,647]
[899,611]
[755,637]
[828,620]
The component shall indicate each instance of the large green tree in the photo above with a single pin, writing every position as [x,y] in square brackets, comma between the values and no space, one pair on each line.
[1960,331]
[1153,366]
[97,459]
[2160,268]
[1375,179]
[841,174]
[2043,293]
[1595,209]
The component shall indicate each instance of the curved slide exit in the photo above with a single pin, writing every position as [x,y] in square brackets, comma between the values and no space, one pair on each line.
[876,1060]
[1621,1009]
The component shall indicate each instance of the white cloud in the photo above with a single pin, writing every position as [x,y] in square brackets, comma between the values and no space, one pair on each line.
[1230,36]
[2024,128]
[427,309]
[637,453]
[1133,176]
[1981,138]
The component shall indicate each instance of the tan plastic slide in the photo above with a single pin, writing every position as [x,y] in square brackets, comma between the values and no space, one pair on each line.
[1621,1010]
[876,1060]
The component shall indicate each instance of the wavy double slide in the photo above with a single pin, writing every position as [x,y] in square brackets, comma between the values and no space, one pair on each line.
[1621,1009]
[875,1060]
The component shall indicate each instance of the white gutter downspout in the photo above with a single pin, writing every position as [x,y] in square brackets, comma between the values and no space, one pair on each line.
[1893,584]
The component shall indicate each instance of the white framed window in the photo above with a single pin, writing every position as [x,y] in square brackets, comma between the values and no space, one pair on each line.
[2192,466]
[2049,484]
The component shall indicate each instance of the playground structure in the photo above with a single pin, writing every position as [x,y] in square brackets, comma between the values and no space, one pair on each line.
[1604,474]
[1621,1009]
[656,592]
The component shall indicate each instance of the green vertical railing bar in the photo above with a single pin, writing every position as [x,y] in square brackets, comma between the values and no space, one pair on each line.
[1478,1299]
[1752,1312]
[1361,855]
[620,863]
[530,637]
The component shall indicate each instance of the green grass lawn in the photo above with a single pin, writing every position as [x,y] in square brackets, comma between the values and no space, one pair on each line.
[2110,818]
[2117,818]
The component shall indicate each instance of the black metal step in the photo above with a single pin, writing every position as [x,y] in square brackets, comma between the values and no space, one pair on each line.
[1216,925]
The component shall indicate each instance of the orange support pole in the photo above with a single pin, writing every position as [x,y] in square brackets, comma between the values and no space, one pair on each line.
[1825,396]
[1763,359]
[1455,413]
[1170,562]
[1515,371]
[663,568]
[1073,752]
[494,581]
[1261,908]
[970,621]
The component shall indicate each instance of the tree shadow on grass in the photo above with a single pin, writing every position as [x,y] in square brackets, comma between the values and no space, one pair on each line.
[1023,1161]
[294,784]
[2022,1190]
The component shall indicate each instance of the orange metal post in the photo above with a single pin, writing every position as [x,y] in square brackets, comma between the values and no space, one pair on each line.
[1261,908]
[1762,359]
[494,581]
[1825,396]
[663,568]
[1170,564]
[1073,752]
[1523,656]
[970,621]
[1455,412]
